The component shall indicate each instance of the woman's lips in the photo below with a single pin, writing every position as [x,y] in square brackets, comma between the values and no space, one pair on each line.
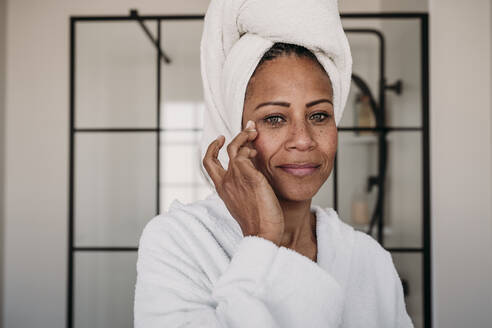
[299,169]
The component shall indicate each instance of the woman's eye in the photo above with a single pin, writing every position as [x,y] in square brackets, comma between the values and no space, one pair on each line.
[319,117]
[273,120]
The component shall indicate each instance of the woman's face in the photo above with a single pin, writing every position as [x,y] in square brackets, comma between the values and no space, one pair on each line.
[290,100]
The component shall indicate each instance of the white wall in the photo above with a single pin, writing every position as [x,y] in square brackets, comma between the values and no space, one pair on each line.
[460,37]
[3,24]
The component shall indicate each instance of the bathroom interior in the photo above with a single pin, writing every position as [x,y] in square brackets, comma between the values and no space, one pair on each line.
[128,167]
[134,108]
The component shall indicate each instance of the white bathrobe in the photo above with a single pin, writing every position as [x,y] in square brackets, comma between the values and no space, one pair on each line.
[196,269]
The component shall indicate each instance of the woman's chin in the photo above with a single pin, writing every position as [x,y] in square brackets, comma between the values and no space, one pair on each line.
[296,188]
[296,193]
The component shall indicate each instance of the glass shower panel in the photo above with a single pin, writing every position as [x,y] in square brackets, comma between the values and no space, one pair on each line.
[181,79]
[116,75]
[365,57]
[402,62]
[115,185]
[357,161]
[409,267]
[182,115]
[182,108]
[180,157]
[181,177]
[104,289]
[403,204]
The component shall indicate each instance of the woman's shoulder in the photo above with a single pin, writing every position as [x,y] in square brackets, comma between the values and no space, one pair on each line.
[372,265]
[362,251]
[370,257]
[374,280]
[205,213]
[185,246]
[364,245]
[203,224]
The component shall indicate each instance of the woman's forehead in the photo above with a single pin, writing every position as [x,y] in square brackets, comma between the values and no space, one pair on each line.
[288,74]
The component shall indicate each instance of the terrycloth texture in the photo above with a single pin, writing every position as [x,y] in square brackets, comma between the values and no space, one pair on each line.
[195,269]
[235,36]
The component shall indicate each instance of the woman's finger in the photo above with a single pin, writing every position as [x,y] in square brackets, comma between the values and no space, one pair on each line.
[246,152]
[211,161]
[246,166]
[248,134]
[243,159]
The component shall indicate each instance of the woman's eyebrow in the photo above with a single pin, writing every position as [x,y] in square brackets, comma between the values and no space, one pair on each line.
[286,104]
[312,103]
[277,103]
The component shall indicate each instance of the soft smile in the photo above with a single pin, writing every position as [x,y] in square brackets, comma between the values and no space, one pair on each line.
[300,169]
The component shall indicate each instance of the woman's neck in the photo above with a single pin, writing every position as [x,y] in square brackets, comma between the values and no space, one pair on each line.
[300,224]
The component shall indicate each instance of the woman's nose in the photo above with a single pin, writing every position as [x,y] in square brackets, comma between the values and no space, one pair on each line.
[300,137]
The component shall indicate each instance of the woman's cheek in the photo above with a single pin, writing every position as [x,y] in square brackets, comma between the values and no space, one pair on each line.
[261,145]
[265,141]
[327,139]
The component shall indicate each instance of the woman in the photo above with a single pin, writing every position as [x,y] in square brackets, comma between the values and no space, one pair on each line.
[295,140]
[257,253]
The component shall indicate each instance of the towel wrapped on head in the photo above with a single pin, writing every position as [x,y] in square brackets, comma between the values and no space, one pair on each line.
[237,33]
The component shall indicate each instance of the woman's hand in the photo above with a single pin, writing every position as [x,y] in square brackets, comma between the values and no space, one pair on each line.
[245,191]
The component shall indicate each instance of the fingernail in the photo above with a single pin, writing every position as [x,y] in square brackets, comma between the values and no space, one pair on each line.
[250,125]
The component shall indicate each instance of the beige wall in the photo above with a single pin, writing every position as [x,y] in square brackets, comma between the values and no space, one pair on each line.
[359,5]
[405,5]
[3,33]
[460,162]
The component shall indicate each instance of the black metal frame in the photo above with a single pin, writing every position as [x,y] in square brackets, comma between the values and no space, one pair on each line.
[426,224]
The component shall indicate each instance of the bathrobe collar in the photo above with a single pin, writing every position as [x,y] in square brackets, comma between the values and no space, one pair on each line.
[335,238]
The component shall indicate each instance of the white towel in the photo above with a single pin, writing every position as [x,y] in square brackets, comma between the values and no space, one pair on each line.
[237,33]
[195,269]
